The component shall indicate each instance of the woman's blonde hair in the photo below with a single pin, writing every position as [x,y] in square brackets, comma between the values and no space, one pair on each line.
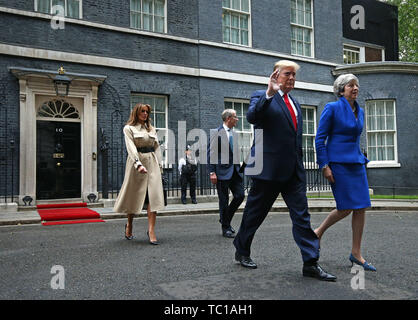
[134,116]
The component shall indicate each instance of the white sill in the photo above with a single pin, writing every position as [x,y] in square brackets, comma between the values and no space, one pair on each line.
[379,164]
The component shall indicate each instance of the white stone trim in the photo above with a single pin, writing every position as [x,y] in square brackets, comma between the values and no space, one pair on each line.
[383,164]
[35,53]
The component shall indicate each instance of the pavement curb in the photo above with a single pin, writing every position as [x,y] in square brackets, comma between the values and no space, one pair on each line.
[28,216]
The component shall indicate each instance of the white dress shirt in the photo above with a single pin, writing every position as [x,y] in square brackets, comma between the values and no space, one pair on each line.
[290,100]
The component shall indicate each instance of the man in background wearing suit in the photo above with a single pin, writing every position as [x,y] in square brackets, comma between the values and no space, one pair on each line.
[224,171]
[279,115]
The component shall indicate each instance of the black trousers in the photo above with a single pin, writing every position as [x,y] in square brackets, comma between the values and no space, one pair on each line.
[186,179]
[260,200]
[226,209]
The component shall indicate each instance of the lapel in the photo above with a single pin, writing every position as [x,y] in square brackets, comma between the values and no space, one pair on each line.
[280,101]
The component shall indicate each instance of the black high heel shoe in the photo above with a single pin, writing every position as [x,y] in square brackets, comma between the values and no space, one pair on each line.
[128,237]
[152,242]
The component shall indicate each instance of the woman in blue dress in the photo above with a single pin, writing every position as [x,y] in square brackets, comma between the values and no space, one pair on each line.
[343,164]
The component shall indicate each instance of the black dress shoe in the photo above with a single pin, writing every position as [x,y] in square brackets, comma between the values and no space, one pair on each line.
[194,201]
[232,229]
[227,233]
[246,262]
[315,271]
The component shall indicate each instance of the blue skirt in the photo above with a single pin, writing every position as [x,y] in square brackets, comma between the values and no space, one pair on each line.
[351,189]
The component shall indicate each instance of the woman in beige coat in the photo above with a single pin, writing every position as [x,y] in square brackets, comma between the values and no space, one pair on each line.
[142,183]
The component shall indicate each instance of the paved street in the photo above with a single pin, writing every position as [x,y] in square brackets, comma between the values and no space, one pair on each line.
[195,262]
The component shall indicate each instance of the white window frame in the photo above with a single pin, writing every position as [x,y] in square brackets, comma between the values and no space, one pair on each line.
[142,19]
[311,28]
[362,50]
[359,50]
[164,148]
[314,120]
[383,163]
[80,7]
[244,150]
[239,12]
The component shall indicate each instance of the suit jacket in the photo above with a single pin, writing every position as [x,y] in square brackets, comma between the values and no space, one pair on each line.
[222,161]
[342,130]
[282,144]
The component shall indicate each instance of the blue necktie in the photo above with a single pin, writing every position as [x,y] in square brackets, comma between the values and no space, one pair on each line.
[231,141]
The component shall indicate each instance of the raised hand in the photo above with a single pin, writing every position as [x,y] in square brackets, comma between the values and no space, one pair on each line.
[274,85]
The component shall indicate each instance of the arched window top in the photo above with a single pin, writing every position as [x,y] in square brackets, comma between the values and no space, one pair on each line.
[57,109]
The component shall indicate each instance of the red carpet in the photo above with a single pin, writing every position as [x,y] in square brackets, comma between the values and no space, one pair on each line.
[67,213]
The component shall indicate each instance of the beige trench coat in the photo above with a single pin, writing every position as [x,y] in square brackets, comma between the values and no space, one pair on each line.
[135,184]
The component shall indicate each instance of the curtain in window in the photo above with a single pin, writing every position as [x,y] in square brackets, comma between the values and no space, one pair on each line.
[73,8]
[44,6]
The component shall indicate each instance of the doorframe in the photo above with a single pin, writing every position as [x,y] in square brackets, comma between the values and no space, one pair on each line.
[33,85]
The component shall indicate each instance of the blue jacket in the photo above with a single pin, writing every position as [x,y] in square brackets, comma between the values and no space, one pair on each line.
[224,168]
[282,144]
[339,126]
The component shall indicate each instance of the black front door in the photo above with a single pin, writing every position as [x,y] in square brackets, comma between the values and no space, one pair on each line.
[58,160]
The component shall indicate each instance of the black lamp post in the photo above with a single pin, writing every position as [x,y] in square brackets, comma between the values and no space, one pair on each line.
[62,83]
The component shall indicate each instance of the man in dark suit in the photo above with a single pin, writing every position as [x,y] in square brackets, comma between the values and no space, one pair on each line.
[224,170]
[279,115]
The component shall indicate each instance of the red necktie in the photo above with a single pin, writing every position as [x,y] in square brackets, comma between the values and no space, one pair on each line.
[292,112]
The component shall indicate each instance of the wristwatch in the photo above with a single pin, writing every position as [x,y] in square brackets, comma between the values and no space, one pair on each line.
[325,166]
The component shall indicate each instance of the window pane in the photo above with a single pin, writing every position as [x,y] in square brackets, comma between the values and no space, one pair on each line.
[159,105]
[307,49]
[235,21]
[148,100]
[159,24]
[226,19]
[389,107]
[308,21]
[235,4]
[293,16]
[43,6]
[147,22]
[238,109]
[299,34]
[147,6]
[299,48]
[234,36]
[58,3]
[136,5]
[244,22]
[160,120]
[390,122]
[299,17]
[226,3]
[135,20]
[308,5]
[390,151]
[389,139]
[244,37]
[227,35]
[159,8]
[245,6]
[228,105]
[73,9]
